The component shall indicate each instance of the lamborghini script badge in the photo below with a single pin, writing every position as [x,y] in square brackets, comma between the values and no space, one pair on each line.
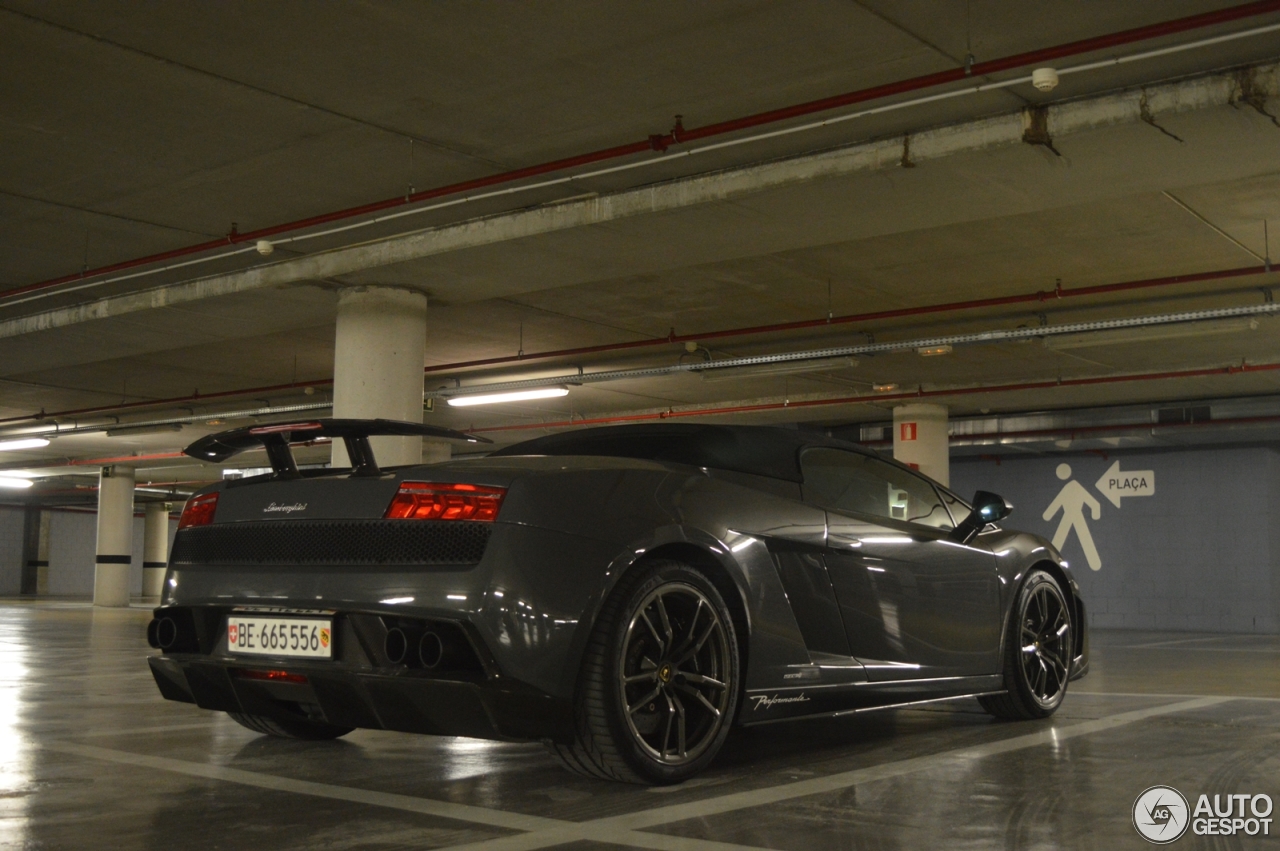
[284,509]
[766,702]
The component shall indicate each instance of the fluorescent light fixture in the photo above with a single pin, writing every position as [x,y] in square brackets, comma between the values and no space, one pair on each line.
[395,601]
[513,396]
[23,443]
[1174,331]
[884,388]
[232,474]
[783,368]
[934,351]
[139,430]
[14,482]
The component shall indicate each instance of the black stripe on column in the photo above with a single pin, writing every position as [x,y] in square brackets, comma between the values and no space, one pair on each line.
[113,559]
[155,564]
[37,564]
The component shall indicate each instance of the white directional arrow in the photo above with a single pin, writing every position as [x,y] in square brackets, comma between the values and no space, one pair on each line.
[1116,483]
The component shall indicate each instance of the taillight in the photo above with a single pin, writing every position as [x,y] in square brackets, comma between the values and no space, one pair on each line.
[199,511]
[430,501]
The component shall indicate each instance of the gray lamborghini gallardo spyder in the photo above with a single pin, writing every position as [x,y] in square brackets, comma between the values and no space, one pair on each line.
[626,595]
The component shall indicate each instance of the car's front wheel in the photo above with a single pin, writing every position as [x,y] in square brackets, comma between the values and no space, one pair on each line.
[659,684]
[1037,652]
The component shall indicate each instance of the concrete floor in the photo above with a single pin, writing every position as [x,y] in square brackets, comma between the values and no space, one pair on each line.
[92,757]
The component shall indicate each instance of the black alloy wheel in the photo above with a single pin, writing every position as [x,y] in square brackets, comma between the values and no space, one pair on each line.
[1038,649]
[672,678]
[660,682]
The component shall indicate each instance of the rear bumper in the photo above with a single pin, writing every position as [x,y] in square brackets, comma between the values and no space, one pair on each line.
[414,702]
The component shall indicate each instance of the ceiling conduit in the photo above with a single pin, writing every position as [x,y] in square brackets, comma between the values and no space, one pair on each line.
[671,413]
[1046,333]
[1039,296]
[680,135]
[881,398]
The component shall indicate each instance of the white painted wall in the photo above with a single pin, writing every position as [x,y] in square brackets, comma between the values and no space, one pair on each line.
[72,545]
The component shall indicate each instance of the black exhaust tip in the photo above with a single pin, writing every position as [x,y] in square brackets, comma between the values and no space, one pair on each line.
[431,650]
[166,633]
[151,633]
[396,645]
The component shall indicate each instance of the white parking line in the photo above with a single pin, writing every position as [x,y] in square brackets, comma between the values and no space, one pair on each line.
[845,779]
[1211,649]
[142,731]
[1197,640]
[627,829]
[1168,695]
[408,803]
[549,831]
[622,829]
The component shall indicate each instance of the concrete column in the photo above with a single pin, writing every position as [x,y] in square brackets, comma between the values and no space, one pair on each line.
[115,537]
[155,548]
[42,554]
[35,551]
[920,440]
[436,453]
[379,353]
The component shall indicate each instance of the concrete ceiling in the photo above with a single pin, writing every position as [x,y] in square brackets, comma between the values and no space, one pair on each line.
[126,131]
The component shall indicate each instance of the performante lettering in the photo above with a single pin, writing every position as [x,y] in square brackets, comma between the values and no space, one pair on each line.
[764,700]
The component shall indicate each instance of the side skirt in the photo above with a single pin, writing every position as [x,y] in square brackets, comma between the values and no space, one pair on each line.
[862,709]
[765,706]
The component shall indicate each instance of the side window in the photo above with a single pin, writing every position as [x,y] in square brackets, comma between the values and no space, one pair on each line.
[848,481]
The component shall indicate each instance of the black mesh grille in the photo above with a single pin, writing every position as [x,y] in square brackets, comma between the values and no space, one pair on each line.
[333,542]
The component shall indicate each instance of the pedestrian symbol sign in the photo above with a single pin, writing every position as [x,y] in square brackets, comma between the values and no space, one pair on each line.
[1071,501]
[1115,485]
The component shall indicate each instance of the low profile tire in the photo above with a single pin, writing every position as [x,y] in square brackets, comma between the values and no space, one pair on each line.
[1037,652]
[660,679]
[290,728]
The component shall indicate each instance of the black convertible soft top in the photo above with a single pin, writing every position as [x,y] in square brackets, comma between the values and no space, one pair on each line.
[759,450]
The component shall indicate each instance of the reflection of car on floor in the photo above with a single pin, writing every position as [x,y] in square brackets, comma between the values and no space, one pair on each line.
[623,594]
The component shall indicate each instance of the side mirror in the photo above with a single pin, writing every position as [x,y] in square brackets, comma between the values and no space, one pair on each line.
[987,508]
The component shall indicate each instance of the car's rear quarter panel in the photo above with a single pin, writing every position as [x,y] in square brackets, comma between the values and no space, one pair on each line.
[569,528]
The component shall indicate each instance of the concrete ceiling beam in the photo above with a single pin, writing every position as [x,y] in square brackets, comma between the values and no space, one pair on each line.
[993,173]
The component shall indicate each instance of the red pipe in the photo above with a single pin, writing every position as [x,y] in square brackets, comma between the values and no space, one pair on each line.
[1022,298]
[888,397]
[151,403]
[680,135]
[122,459]
[920,394]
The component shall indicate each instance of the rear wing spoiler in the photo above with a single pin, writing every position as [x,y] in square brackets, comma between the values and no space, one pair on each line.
[277,437]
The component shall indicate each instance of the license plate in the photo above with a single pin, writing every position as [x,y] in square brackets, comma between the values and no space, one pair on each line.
[306,638]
